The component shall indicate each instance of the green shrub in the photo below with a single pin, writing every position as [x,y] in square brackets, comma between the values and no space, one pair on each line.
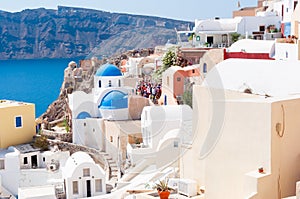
[41,142]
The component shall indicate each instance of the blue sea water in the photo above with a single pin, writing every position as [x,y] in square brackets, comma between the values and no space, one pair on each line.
[36,81]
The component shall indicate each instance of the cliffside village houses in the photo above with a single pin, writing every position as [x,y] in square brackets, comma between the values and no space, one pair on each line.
[238,140]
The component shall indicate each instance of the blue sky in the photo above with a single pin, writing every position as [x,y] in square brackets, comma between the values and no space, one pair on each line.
[175,9]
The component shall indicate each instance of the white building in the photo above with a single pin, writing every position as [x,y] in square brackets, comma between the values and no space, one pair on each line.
[253,46]
[285,10]
[108,100]
[164,130]
[83,177]
[217,32]
[287,51]
[157,121]
[39,192]
[23,167]
[246,130]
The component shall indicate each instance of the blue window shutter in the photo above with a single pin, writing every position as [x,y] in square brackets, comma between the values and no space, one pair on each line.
[19,121]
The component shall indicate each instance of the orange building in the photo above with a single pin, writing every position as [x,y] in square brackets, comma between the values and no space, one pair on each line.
[175,82]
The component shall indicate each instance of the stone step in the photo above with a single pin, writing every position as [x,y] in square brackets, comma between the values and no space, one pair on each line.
[114,169]
[114,172]
[112,164]
[107,159]
[114,176]
[109,187]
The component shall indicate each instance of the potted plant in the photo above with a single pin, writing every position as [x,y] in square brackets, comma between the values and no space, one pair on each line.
[163,189]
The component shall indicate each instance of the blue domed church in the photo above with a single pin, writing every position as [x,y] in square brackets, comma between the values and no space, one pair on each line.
[108,101]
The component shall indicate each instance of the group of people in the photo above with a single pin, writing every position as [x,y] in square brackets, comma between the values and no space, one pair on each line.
[149,90]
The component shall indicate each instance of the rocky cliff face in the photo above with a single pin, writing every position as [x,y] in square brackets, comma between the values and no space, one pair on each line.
[82,79]
[75,32]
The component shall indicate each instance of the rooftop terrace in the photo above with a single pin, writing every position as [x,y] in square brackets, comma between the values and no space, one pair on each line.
[11,103]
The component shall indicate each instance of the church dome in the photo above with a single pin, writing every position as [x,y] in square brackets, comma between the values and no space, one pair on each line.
[114,100]
[83,115]
[108,70]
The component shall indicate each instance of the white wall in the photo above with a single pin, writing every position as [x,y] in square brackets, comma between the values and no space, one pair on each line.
[29,164]
[89,132]
[133,70]
[79,101]
[95,173]
[250,24]
[13,177]
[40,192]
[105,81]
[240,137]
[229,143]
[286,51]
[288,9]
[50,157]
[115,114]
[156,121]
[11,174]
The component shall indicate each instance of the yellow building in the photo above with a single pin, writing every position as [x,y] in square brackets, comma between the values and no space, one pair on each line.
[17,123]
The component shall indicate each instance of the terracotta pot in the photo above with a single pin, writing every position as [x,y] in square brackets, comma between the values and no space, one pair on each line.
[164,194]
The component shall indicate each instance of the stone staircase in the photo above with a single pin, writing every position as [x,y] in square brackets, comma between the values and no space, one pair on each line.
[113,172]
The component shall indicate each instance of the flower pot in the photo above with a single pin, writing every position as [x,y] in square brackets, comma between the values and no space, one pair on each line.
[164,194]
[261,170]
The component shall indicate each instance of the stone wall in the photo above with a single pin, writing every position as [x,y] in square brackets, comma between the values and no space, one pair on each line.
[97,155]
[65,137]
[136,105]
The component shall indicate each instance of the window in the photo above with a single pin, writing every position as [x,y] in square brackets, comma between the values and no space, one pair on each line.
[109,83]
[2,165]
[111,139]
[193,71]
[44,159]
[86,172]
[119,83]
[178,79]
[25,160]
[204,68]
[99,83]
[18,121]
[168,80]
[75,187]
[98,185]
[224,38]
[261,28]
[175,144]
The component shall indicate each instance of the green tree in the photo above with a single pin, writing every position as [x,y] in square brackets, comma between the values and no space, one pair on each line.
[235,36]
[168,60]
[187,98]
